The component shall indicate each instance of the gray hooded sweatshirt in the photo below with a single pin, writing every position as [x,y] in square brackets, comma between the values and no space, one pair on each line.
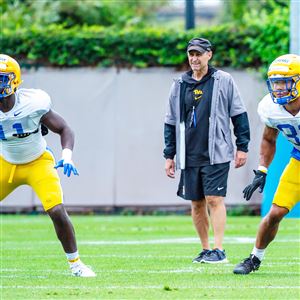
[226,103]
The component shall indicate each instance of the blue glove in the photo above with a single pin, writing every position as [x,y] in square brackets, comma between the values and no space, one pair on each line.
[68,167]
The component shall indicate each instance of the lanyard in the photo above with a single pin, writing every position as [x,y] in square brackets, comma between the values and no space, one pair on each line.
[193,119]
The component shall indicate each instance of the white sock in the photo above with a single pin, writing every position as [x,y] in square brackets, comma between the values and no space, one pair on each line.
[73,257]
[259,253]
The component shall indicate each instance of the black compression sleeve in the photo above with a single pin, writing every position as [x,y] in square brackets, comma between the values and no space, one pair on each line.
[170,141]
[241,131]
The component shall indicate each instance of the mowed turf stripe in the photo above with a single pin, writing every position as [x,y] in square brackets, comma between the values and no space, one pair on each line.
[150,256]
[198,268]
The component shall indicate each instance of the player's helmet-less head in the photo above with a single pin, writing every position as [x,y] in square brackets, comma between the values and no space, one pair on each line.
[284,79]
[10,76]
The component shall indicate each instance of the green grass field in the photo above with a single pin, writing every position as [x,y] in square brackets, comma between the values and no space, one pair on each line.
[143,257]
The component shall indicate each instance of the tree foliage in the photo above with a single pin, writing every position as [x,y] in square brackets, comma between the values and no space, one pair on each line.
[119,13]
[236,11]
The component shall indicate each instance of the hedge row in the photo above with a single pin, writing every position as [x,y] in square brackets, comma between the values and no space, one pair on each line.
[253,46]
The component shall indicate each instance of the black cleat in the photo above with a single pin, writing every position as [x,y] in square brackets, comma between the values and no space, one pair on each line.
[199,258]
[250,264]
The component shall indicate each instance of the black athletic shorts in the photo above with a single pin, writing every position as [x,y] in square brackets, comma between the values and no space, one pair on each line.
[198,182]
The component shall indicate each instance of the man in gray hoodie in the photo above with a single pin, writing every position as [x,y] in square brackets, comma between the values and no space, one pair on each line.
[197,130]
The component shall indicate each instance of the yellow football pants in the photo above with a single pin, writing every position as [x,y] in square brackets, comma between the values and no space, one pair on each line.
[39,174]
[288,191]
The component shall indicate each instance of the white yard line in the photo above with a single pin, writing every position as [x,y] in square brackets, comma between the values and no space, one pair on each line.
[227,240]
[71,287]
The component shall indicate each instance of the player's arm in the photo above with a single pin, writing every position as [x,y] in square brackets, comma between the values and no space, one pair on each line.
[267,151]
[268,146]
[56,123]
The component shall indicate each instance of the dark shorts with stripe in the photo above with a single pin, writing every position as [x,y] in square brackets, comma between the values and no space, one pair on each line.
[198,182]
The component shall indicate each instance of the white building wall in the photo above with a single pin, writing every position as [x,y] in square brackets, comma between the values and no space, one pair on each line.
[118,120]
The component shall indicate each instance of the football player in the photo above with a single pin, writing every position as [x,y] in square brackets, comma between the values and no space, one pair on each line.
[25,158]
[280,111]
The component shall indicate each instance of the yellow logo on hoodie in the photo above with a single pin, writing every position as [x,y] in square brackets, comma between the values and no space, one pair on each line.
[197,94]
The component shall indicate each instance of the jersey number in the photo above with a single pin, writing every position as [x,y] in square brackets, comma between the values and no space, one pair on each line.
[290,132]
[17,126]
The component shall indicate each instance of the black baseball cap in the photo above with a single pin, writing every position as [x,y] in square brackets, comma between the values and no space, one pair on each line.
[199,44]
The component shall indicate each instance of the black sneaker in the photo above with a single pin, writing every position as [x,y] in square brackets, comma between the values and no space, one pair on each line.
[215,256]
[199,258]
[250,264]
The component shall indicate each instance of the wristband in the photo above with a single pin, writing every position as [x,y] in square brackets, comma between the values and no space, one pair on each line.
[67,155]
[263,169]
